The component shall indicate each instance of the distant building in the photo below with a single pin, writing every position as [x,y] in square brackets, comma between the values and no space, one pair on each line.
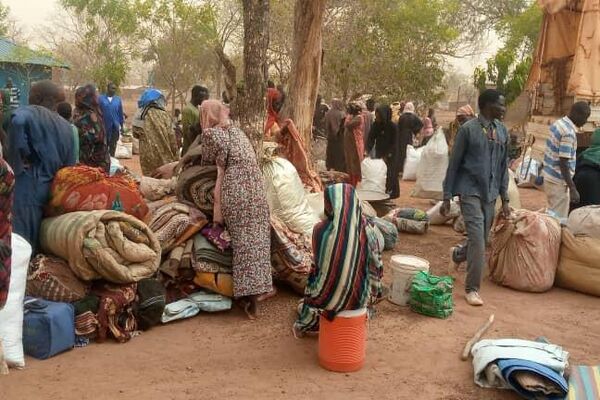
[25,66]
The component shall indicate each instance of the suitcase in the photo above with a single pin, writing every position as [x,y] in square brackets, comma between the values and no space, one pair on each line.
[48,328]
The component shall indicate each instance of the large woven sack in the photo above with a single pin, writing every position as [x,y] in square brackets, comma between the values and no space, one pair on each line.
[585,221]
[579,267]
[374,175]
[11,316]
[50,278]
[432,168]
[411,164]
[286,196]
[525,251]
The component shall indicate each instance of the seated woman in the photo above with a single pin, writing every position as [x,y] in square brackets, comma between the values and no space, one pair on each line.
[348,270]
[587,175]
[240,204]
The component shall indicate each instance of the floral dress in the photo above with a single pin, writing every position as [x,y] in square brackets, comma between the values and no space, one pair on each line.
[7,182]
[244,207]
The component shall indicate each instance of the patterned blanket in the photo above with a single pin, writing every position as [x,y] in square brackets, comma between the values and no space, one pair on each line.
[84,188]
[174,223]
[291,256]
[108,245]
[196,185]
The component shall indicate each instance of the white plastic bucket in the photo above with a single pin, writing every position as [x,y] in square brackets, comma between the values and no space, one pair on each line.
[404,268]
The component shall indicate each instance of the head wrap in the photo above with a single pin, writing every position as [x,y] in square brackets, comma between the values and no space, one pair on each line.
[592,154]
[150,96]
[409,108]
[85,97]
[214,114]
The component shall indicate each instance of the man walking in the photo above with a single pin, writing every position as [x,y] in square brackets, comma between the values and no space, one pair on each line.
[112,114]
[190,117]
[560,158]
[477,173]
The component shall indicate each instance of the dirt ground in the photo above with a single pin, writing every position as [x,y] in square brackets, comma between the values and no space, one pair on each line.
[226,356]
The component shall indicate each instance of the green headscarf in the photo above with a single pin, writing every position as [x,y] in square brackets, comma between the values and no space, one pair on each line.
[592,154]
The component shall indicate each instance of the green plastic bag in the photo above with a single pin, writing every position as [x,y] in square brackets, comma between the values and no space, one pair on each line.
[431,295]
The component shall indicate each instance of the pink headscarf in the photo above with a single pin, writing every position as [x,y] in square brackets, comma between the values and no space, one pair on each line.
[427,127]
[214,114]
[409,108]
[466,111]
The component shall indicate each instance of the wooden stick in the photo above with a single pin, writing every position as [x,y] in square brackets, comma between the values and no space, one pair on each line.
[476,337]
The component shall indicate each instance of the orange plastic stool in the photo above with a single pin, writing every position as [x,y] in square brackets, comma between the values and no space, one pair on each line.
[343,341]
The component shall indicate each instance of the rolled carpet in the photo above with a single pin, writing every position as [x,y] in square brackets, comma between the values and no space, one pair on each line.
[108,245]
[196,185]
[532,380]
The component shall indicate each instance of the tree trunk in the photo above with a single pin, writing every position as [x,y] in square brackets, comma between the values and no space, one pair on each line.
[306,66]
[250,99]
[230,75]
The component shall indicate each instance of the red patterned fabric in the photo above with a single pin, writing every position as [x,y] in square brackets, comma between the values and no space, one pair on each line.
[7,182]
[84,188]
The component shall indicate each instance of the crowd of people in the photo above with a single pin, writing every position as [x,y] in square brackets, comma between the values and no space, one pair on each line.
[48,134]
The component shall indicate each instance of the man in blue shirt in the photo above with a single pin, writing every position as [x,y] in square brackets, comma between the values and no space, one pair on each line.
[478,174]
[112,114]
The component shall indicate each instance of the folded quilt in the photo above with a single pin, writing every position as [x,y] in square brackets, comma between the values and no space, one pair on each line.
[193,304]
[175,223]
[156,189]
[196,185]
[108,245]
[206,251]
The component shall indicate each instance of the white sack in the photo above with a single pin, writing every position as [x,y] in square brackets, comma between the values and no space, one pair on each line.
[286,196]
[413,156]
[432,168]
[374,174]
[11,316]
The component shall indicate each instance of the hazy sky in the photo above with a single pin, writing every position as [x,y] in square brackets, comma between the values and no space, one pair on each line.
[32,13]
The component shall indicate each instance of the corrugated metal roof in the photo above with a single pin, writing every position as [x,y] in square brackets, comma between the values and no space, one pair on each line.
[12,53]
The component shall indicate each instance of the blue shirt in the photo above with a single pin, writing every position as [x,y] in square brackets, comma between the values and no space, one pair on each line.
[562,143]
[112,113]
[479,164]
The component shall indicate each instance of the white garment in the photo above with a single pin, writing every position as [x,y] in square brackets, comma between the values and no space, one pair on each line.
[110,99]
[486,352]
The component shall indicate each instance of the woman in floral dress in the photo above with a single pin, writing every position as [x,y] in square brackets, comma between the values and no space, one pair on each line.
[240,203]
[93,145]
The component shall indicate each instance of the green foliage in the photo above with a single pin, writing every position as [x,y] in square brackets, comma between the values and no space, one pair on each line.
[508,70]
[109,27]
[177,35]
[389,47]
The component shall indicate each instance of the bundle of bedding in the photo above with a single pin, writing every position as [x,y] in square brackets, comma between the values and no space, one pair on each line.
[174,223]
[291,256]
[108,245]
[84,188]
[196,185]
[156,189]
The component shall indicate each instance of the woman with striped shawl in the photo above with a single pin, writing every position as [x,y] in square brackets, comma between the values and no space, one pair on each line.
[348,267]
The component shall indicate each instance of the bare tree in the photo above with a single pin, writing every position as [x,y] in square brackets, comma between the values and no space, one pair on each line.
[306,65]
[250,100]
